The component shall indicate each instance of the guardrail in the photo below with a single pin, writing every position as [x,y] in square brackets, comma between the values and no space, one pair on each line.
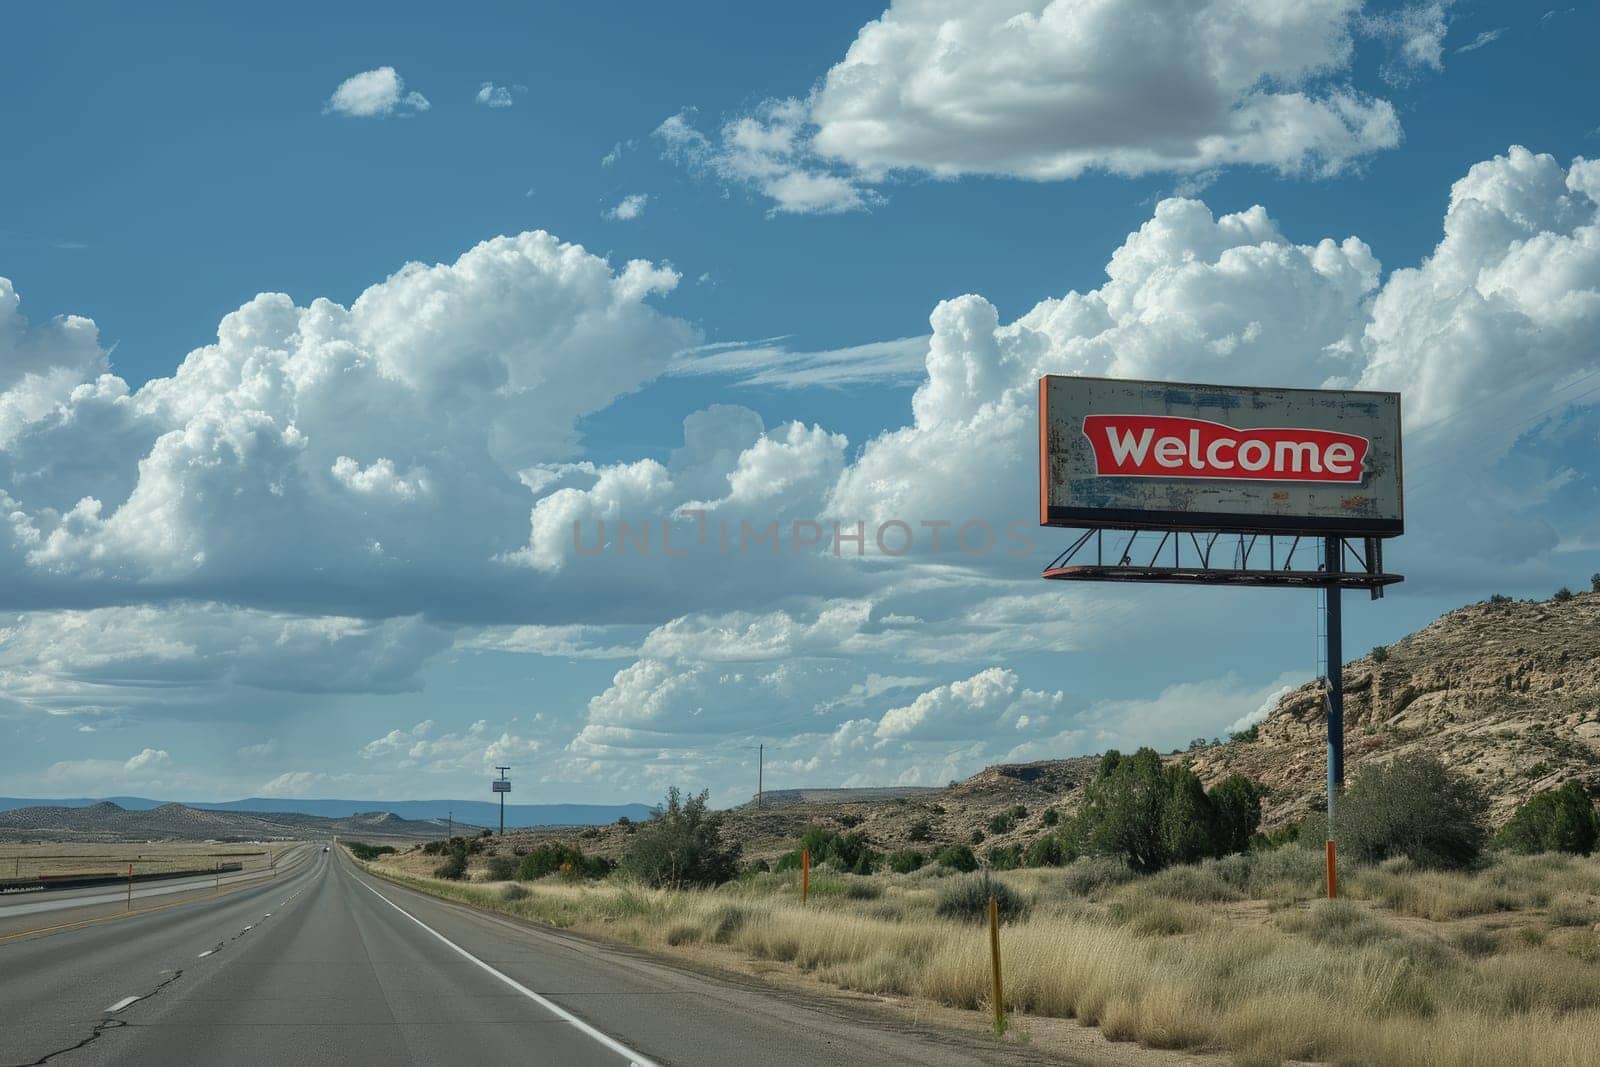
[9,886]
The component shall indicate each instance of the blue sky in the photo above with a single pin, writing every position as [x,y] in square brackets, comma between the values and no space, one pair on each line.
[337,524]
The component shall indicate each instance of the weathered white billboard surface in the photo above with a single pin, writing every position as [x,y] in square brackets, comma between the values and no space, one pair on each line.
[1161,455]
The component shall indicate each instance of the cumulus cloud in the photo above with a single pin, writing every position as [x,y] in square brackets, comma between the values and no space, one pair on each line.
[372,94]
[977,707]
[628,208]
[324,440]
[1047,92]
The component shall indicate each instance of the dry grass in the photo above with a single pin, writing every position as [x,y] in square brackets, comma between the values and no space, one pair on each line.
[31,859]
[1401,975]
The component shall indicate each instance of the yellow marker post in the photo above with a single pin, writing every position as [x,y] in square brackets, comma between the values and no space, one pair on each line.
[805,873]
[994,957]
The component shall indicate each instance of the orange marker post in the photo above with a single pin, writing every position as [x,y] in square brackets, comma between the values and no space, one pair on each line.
[1333,873]
[805,873]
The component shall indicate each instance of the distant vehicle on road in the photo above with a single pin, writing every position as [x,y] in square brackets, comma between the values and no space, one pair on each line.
[324,848]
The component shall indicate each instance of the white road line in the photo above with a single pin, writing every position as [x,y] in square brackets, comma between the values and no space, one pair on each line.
[206,953]
[119,1005]
[634,1058]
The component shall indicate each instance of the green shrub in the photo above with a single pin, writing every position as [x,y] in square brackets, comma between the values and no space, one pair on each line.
[454,868]
[1005,857]
[363,851]
[1380,653]
[1414,806]
[1556,820]
[755,867]
[845,852]
[1044,851]
[1050,817]
[850,822]
[681,845]
[559,857]
[957,858]
[1594,582]
[789,861]
[977,836]
[906,860]
[1247,735]
[1154,815]
[514,892]
[1499,598]
[921,830]
[967,900]
[1001,823]
[1562,595]
[502,868]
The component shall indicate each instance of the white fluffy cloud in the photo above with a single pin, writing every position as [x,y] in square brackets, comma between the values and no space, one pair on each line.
[334,443]
[374,94]
[628,208]
[1049,91]
[974,708]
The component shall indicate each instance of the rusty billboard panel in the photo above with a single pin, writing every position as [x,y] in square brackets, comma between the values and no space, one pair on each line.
[1166,456]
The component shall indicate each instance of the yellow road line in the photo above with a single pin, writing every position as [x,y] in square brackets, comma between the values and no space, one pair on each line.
[126,914]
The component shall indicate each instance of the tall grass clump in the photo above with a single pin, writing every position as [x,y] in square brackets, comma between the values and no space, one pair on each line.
[967,900]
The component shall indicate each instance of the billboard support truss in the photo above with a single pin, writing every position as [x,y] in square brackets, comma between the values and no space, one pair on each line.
[1193,557]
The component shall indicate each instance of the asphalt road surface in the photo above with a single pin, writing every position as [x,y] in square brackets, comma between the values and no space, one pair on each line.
[327,965]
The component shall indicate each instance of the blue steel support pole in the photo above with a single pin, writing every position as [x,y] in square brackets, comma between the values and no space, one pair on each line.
[1333,556]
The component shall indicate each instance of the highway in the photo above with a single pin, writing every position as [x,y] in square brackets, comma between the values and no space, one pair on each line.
[327,965]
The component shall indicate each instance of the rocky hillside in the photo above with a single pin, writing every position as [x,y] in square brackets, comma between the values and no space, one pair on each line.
[175,822]
[1506,692]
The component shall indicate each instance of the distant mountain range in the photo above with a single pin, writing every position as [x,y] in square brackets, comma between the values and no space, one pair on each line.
[105,821]
[473,812]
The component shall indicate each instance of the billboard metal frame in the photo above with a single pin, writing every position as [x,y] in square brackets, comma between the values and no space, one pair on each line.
[1209,549]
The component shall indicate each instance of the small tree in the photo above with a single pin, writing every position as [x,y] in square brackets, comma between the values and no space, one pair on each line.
[1236,804]
[1188,823]
[1044,851]
[1556,820]
[681,845]
[1563,595]
[1380,653]
[1416,807]
[1594,582]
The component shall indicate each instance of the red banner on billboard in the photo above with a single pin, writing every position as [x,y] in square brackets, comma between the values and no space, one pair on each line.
[1173,446]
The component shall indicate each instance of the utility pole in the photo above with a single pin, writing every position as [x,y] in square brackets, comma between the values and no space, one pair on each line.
[761,759]
[501,789]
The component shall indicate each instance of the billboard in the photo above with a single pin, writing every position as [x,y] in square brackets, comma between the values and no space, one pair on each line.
[501,785]
[1166,456]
